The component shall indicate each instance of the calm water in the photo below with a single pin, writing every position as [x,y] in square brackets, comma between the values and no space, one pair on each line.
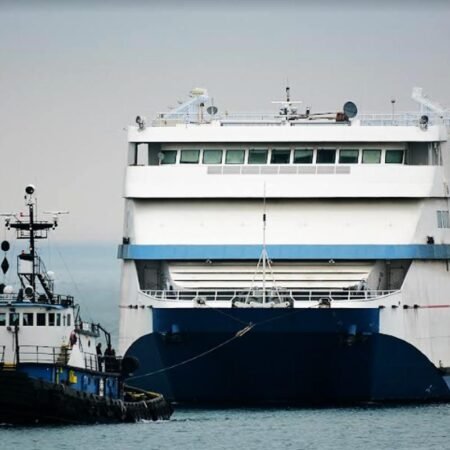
[425,427]
[92,273]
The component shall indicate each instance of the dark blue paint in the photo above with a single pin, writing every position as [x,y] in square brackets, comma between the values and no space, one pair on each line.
[290,356]
[297,252]
[87,381]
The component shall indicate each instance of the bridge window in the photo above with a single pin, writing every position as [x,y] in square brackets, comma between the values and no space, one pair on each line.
[235,157]
[68,319]
[326,156]
[28,319]
[443,219]
[168,157]
[303,156]
[190,156]
[371,156]
[58,320]
[394,157]
[40,319]
[51,319]
[2,319]
[348,156]
[14,319]
[280,157]
[257,156]
[212,156]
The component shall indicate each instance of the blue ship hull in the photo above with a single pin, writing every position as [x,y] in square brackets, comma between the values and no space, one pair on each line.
[295,356]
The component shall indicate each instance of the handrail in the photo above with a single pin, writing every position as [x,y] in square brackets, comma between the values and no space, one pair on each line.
[44,354]
[283,294]
[247,118]
[57,299]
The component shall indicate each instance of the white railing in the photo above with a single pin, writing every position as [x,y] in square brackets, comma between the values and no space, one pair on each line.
[398,119]
[282,294]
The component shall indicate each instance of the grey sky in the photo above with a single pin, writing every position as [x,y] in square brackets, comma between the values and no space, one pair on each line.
[71,78]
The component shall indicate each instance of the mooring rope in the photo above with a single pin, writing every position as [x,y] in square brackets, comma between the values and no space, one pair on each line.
[237,335]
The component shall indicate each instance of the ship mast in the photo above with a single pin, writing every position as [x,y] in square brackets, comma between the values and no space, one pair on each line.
[29,265]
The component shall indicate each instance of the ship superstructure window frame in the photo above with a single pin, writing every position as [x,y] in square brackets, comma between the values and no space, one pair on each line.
[190,156]
[14,319]
[280,156]
[172,157]
[257,156]
[326,156]
[229,157]
[2,319]
[28,319]
[348,155]
[303,156]
[208,152]
[443,219]
[391,152]
[371,156]
[41,319]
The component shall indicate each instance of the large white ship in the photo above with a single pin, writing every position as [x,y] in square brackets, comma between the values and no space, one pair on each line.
[291,257]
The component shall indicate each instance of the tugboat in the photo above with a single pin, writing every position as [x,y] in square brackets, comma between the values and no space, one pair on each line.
[51,369]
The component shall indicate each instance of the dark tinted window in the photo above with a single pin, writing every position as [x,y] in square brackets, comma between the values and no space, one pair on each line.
[257,156]
[13,319]
[394,156]
[326,156]
[303,156]
[280,157]
[28,319]
[348,156]
[168,157]
[40,319]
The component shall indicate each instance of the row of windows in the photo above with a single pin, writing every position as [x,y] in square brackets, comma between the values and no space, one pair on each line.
[285,156]
[29,319]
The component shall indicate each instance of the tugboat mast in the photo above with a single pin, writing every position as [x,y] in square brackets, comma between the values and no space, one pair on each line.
[29,264]
[32,250]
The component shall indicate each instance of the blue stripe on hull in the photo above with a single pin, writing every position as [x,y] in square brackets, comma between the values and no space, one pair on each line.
[284,252]
[296,356]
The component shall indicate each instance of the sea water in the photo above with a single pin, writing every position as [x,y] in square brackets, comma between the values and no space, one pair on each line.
[92,274]
[412,427]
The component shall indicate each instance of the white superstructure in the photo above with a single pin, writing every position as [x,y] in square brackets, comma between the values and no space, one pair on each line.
[357,214]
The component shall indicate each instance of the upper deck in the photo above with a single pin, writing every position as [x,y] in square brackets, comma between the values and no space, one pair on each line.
[193,152]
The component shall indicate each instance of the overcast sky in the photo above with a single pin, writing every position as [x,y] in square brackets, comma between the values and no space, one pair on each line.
[72,77]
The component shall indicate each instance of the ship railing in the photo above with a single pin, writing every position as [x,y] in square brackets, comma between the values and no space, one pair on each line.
[44,354]
[167,119]
[57,299]
[284,295]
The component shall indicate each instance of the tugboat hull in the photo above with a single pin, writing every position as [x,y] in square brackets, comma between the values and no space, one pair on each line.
[25,400]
